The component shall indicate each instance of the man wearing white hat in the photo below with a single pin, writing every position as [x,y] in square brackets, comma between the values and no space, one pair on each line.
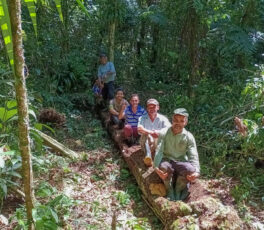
[151,126]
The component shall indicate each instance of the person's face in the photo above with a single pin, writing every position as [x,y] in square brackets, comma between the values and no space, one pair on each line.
[119,95]
[178,123]
[152,109]
[103,60]
[134,101]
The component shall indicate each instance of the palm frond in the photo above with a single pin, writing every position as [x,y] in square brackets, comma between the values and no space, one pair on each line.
[58,5]
[6,31]
[31,5]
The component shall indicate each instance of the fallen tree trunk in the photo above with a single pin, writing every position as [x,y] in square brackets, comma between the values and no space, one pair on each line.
[202,210]
[56,146]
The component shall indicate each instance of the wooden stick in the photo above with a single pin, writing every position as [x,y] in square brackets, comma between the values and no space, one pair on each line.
[57,146]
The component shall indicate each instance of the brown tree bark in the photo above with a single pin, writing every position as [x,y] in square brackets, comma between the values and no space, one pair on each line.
[21,97]
[112,29]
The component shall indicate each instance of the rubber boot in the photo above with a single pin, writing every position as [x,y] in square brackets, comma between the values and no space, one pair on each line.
[185,193]
[169,189]
[180,186]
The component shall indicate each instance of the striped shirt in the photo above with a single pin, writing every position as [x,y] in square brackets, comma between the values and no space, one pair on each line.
[132,118]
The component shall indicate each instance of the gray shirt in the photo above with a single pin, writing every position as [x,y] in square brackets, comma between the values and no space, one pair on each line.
[160,124]
[103,69]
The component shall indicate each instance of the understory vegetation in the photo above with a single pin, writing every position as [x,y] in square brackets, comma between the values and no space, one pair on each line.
[205,56]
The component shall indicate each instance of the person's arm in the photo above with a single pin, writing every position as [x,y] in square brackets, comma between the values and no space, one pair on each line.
[158,159]
[193,157]
[141,129]
[111,70]
[111,108]
[100,77]
[159,152]
[121,114]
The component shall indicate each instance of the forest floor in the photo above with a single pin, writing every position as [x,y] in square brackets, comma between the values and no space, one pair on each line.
[105,193]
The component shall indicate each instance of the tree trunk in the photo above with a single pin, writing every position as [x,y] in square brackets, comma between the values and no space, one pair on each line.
[21,97]
[155,36]
[65,29]
[112,28]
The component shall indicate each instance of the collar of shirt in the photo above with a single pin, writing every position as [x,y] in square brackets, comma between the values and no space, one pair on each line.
[130,109]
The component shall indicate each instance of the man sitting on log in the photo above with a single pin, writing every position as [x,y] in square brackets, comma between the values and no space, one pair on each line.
[131,114]
[176,161]
[115,108]
[150,126]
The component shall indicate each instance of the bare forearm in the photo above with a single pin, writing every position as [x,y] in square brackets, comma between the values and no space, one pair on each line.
[142,130]
[121,115]
[114,112]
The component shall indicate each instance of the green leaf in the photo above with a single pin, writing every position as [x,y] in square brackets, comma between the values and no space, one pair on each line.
[32,12]
[9,153]
[6,31]
[54,215]
[15,174]
[11,104]
[58,6]
[10,114]
[83,8]
[50,225]
[17,165]
[39,126]
[32,113]
[3,186]
[2,111]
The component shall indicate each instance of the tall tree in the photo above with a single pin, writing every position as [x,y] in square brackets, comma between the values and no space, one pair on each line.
[21,97]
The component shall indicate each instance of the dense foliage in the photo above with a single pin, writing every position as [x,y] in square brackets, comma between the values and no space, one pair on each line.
[206,56]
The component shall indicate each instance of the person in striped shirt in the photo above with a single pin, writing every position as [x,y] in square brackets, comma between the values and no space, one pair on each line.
[131,114]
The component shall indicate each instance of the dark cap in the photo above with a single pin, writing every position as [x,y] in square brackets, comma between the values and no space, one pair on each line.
[102,55]
[181,111]
[152,101]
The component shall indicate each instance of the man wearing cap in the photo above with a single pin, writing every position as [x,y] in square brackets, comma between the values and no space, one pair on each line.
[176,161]
[150,126]
[106,75]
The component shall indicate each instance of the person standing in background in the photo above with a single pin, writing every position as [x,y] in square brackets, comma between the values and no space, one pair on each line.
[106,76]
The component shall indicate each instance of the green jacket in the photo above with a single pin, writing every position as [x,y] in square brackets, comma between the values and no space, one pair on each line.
[180,147]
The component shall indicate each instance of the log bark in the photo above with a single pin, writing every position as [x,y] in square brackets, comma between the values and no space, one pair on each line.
[22,106]
[57,146]
[201,206]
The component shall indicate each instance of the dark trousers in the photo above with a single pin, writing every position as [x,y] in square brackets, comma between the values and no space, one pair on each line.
[108,90]
[116,121]
[177,170]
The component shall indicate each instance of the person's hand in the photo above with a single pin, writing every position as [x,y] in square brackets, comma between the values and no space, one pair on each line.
[162,175]
[154,134]
[123,106]
[192,177]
